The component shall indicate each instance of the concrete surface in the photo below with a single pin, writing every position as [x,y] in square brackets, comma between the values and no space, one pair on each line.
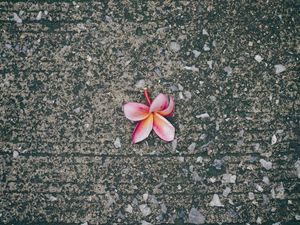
[67,68]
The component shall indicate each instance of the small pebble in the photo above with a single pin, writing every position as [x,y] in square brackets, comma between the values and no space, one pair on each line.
[228,178]
[258,58]
[145,196]
[15,154]
[180,87]
[196,53]
[266,180]
[196,217]
[267,165]
[203,116]
[228,70]
[180,158]
[259,220]
[215,202]
[77,110]
[251,196]
[191,68]
[199,159]
[204,32]
[206,47]
[39,16]
[279,68]
[52,198]
[218,164]
[297,166]
[129,209]
[88,58]
[192,147]
[163,208]
[210,63]
[180,95]
[175,46]
[273,140]
[188,94]
[145,222]
[140,84]
[146,211]
[117,143]
[17,19]
[226,191]
[259,188]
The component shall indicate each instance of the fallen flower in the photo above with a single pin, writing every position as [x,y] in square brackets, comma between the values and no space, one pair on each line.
[151,117]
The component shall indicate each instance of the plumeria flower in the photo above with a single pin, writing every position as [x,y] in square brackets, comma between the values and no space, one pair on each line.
[151,116]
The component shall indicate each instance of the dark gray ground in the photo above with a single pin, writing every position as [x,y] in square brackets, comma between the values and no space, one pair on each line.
[67,68]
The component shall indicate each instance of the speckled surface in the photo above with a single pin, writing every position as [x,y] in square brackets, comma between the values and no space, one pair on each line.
[66,69]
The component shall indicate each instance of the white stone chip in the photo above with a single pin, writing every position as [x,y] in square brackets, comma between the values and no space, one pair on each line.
[52,198]
[15,154]
[266,180]
[163,208]
[206,47]
[39,16]
[180,87]
[188,94]
[199,159]
[191,68]
[129,209]
[203,115]
[228,178]
[196,217]
[146,211]
[210,63]
[180,95]
[226,191]
[88,58]
[215,202]
[259,188]
[192,147]
[267,165]
[258,220]
[258,58]
[17,19]
[228,70]
[297,166]
[273,140]
[145,222]
[196,53]
[145,196]
[279,68]
[204,32]
[175,46]
[297,217]
[174,144]
[251,196]
[117,143]
[140,84]
[85,223]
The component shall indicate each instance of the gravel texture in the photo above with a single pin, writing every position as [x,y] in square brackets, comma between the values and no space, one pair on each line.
[65,146]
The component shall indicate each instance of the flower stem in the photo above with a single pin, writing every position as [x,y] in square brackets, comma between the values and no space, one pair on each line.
[147,96]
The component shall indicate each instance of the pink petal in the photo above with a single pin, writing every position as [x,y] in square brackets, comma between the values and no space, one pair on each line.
[159,103]
[142,129]
[169,110]
[136,111]
[163,128]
